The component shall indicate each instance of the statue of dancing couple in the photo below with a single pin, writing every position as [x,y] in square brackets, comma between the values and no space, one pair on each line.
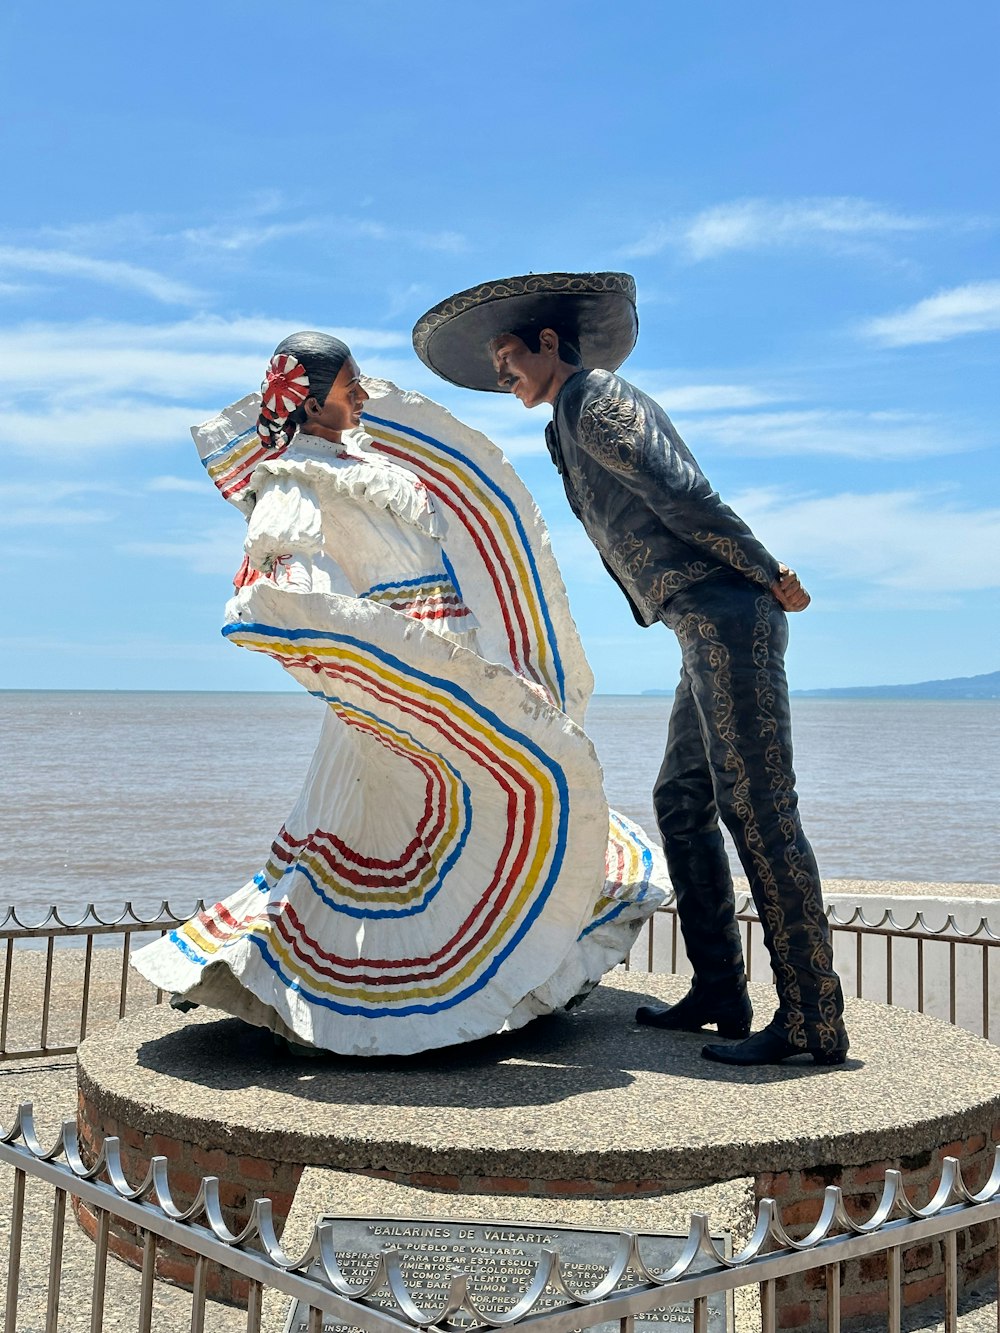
[450,869]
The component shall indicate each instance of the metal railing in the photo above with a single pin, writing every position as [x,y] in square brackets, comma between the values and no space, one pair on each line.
[949,972]
[316,1277]
[943,970]
[47,963]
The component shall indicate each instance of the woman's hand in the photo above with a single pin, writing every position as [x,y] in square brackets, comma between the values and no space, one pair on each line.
[789,591]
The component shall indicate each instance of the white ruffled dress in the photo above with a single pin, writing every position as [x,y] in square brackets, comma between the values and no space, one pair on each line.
[451,868]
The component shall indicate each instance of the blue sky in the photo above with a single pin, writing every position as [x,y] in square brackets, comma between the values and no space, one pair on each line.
[808,197]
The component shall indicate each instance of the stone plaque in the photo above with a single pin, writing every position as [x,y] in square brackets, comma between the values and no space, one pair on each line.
[500,1259]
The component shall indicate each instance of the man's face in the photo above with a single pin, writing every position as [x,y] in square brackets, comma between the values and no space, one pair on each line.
[525,374]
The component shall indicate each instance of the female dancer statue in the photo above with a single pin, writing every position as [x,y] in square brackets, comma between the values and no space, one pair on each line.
[450,868]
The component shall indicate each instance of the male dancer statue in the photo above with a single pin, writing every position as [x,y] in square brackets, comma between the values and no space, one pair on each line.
[683,557]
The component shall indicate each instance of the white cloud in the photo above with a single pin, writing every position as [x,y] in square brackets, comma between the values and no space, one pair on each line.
[450,242]
[47,505]
[140,648]
[95,384]
[175,359]
[110,272]
[245,238]
[19,492]
[116,232]
[181,484]
[110,424]
[403,299]
[709,397]
[48,518]
[216,551]
[972,308]
[262,222]
[849,434]
[904,544]
[758,224]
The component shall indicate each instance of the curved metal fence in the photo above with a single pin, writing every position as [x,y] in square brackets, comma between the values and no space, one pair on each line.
[928,963]
[64,977]
[61,977]
[316,1277]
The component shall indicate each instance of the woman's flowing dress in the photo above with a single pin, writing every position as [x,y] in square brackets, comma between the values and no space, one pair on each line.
[451,868]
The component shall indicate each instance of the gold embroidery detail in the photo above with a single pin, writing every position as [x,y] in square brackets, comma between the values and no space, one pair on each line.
[672,580]
[611,430]
[803,876]
[630,556]
[828,1031]
[727,549]
[581,487]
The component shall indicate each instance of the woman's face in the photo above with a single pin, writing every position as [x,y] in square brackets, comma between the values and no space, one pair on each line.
[343,406]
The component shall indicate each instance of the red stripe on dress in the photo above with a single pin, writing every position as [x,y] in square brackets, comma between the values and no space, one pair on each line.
[425,832]
[520,659]
[506,870]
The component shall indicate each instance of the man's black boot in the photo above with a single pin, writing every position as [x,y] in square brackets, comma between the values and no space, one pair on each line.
[770,1047]
[729,1009]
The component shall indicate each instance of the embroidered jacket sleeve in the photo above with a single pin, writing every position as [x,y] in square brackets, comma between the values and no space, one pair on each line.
[632,438]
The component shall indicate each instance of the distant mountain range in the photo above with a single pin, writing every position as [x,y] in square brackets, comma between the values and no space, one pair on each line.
[959,687]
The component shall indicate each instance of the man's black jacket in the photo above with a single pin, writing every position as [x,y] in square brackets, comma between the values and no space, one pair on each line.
[645,503]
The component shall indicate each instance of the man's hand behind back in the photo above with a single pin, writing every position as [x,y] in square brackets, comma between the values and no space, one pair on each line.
[789,591]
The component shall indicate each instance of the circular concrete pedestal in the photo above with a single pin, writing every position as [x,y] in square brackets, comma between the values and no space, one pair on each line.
[583,1105]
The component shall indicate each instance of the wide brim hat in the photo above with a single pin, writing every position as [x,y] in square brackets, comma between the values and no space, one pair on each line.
[597,310]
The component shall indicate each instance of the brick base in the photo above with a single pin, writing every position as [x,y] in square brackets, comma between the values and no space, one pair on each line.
[242,1179]
[172,1264]
[801,1300]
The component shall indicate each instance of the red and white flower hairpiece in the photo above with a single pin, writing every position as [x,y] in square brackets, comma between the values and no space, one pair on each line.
[285,387]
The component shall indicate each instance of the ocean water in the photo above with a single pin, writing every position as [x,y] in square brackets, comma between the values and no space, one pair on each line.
[175,796]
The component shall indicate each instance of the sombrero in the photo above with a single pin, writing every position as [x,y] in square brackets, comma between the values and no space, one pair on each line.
[596,309]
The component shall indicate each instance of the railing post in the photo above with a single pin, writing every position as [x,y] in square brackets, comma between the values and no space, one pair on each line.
[148,1274]
[8,969]
[85,1002]
[951,1282]
[101,1237]
[14,1257]
[894,1281]
[767,1307]
[198,1293]
[50,949]
[255,1307]
[833,1298]
[123,992]
[55,1261]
